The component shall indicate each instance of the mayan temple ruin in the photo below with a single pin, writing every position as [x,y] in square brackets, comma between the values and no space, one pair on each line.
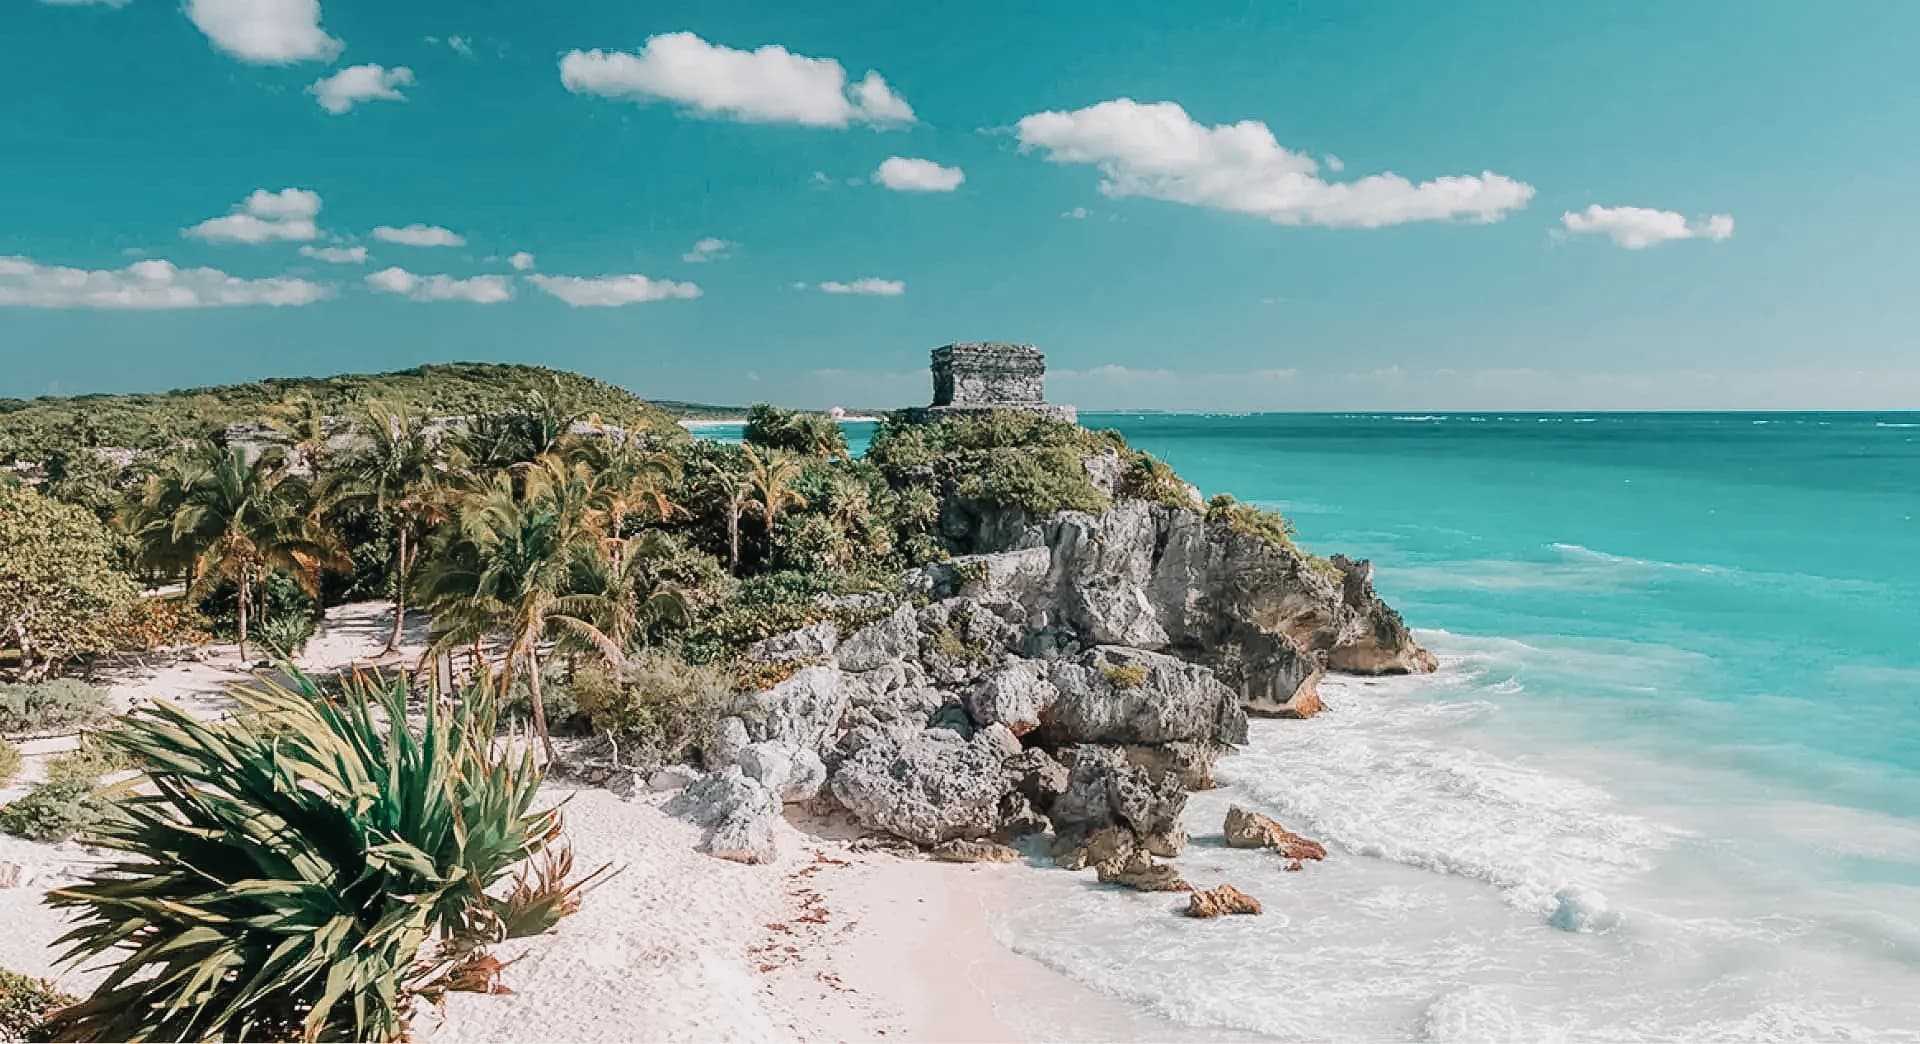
[982,377]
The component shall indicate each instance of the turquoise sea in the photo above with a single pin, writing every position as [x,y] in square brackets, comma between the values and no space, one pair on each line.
[1666,784]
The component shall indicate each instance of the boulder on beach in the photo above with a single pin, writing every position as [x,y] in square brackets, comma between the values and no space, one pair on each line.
[1246,829]
[927,786]
[1220,902]
[738,812]
[1140,872]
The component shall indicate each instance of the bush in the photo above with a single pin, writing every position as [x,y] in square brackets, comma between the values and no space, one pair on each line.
[247,907]
[1037,481]
[287,634]
[1123,675]
[152,624]
[61,705]
[59,579]
[790,431]
[57,811]
[275,597]
[1149,478]
[660,707]
[25,1003]
[94,760]
[9,763]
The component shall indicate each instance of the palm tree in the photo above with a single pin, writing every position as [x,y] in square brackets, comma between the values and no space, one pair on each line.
[147,517]
[241,520]
[515,566]
[771,478]
[306,427]
[735,494]
[630,482]
[638,595]
[396,476]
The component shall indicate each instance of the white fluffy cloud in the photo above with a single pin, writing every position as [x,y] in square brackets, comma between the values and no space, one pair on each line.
[358,83]
[1637,228]
[265,32]
[904,174]
[264,217]
[336,255]
[485,289]
[709,249]
[152,284]
[611,291]
[1076,214]
[521,261]
[869,286]
[419,236]
[1159,152]
[769,84]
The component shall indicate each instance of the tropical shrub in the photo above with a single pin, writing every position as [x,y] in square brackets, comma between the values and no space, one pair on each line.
[284,870]
[287,634]
[59,580]
[659,708]
[92,761]
[25,1003]
[790,431]
[1123,675]
[57,811]
[276,596]
[1036,481]
[1149,478]
[60,705]
[152,624]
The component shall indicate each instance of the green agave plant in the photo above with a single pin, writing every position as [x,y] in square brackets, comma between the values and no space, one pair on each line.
[287,870]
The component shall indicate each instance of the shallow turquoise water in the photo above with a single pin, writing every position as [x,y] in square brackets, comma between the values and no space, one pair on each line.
[1665,786]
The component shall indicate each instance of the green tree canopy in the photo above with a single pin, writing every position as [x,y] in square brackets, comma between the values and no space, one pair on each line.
[59,583]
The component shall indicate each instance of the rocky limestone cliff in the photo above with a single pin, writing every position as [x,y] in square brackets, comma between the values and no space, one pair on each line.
[1268,619]
[1074,675]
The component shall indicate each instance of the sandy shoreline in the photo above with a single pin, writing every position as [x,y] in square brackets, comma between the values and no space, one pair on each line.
[827,944]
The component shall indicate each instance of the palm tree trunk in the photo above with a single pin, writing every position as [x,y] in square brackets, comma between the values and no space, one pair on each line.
[246,595]
[399,593]
[539,705]
[26,649]
[733,538]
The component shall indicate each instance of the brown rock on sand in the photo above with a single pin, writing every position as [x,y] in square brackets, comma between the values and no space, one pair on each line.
[1246,829]
[1217,902]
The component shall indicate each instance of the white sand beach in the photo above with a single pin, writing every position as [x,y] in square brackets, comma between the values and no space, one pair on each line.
[826,944]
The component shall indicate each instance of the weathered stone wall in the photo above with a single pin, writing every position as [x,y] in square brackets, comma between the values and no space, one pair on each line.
[985,376]
[989,375]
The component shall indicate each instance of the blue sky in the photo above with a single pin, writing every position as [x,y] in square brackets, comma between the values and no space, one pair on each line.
[1631,205]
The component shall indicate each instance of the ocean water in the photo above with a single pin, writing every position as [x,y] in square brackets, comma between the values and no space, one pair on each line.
[1665,785]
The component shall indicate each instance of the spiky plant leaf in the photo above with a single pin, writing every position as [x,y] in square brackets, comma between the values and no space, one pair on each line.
[284,870]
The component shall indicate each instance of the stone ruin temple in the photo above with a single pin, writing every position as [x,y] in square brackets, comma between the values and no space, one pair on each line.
[982,377]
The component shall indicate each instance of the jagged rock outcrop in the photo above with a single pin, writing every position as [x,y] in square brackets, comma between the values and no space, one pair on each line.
[794,773]
[1111,694]
[1111,804]
[1078,673]
[1268,619]
[1220,902]
[804,711]
[806,645]
[1382,644]
[739,814]
[1016,694]
[1139,871]
[1244,829]
[930,786]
